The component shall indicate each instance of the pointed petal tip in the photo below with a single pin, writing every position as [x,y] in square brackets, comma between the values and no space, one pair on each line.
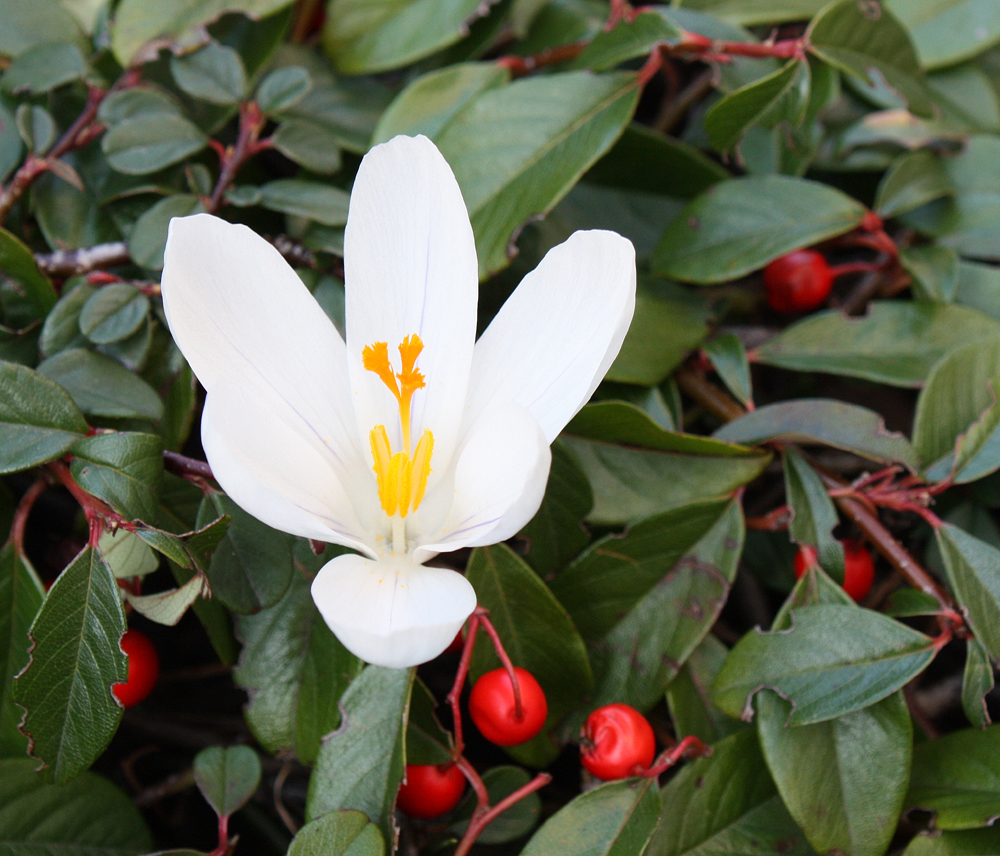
[392,612]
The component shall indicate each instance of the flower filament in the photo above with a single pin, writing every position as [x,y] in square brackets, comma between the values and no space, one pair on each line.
[401,476]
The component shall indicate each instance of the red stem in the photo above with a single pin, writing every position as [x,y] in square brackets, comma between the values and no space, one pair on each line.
[456,690]
[484,618]
[180,465]
[94,510]
[247,144]
[484,815]
[692,747]
[22,511]
[223,847]
[773,521]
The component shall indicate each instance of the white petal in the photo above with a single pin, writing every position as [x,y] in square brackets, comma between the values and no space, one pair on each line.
[239,313]
[556,336]
[410,267]
[499,482]
[392,612]
[275,466]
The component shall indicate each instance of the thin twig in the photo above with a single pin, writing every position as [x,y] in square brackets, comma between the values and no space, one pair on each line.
[23,510]
[484,815]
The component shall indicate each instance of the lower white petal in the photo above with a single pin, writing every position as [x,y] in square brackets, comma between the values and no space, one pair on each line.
[498,484]
[276,467]
[392,612]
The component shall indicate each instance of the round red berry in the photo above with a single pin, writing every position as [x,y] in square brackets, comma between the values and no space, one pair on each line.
[492,708]
[430,790]
[143,669]
[617,741]
[798,282]
[859,567]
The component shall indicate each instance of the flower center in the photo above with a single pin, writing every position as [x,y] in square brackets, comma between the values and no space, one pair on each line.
[402,476]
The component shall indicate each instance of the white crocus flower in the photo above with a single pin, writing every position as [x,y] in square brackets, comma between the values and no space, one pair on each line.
[412,439]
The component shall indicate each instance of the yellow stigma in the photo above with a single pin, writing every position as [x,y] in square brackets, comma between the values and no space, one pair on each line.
[401,476]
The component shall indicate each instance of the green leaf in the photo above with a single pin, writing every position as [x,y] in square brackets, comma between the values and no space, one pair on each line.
[122,468]
[213,73]
[36,127]
[136,23]
[429,103]
[873,46]
[979,287]
[556,533]
[813,513]
[43,68]
[645,650]
[689,695]
[843,781]
[726,804]
[725,233]
[614,819]
[61,328]
[283,88]
[338,833]
[113,313]
[897,342]
[362,36]
[348,108]
[629,39]
[758,103]
[612,575]
[516,821]
[666,325]
[294,671]
[31,22]
[631,484]
[977,681]
[538,135]
[150,142]
[300,198]
[38,420]
[426,741]
[18,263]
[973,842]
[309,144]
[729,359]
[88,815]
[75,659]
[227,777]
[958,777]
[825,421]
[168,607]
[934,270]
[914,179]
[101,386]
[944,34]
[958,413]
[20,599]
[833,660]
[537,634]
[148,237]
[361,765]
[142,100]
[973,568]
[252,565]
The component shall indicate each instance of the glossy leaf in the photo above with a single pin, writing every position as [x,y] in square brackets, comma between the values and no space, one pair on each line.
[934,270]
[338,833]
[615,818]
[724,233]
[974,573]
[813,513]
[122,468]
[844,780]
[824,421]
[88,815]
[689,695]
[38,419]
[310,199]
[101,386]
[66,687]
[896,342]
[227,777]
[20,599]
[361,765]
[151,142]
[957,776]
[168,607]
[726,804]
[945,34]
[729,359]
[832,661]
[914,179]
[283,88]
[148,237]
[43,68]
[113,313]
[213,73]
[612,575]
[639,657]
[973,842]
[537,634]
[18,262]
[629,39]
[977,681]
[309,144]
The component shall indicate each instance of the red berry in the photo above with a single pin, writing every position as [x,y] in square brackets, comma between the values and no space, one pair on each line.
[457,644]
[617,742]
[491,706]
[143,669]
[798,282]
[859,567]
[430,790]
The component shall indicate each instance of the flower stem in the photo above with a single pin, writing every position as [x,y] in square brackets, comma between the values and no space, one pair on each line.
[484,814]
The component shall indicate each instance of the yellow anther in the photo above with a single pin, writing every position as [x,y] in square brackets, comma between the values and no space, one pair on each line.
[402,478]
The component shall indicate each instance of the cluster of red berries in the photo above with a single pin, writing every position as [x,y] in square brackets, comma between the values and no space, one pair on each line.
[859,567]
